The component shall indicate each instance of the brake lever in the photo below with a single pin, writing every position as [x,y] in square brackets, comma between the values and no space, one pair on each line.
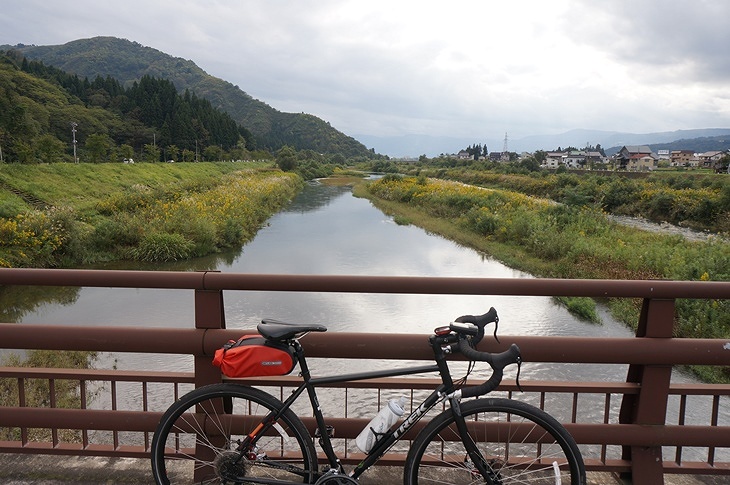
[496,326]
[517,379]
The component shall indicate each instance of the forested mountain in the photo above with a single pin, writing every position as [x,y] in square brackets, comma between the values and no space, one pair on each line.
[697,145]
[129,61]
[43,109]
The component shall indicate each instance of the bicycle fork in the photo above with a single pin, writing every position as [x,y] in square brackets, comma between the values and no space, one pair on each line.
[478,461]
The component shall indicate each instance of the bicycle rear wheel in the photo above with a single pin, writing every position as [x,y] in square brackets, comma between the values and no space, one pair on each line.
[519,443]
[198,440]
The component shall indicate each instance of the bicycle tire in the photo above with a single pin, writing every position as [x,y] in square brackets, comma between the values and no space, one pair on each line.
[543,452]
[197,437]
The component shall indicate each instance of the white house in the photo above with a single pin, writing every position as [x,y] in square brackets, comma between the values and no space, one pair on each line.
[575,159]
[554,159]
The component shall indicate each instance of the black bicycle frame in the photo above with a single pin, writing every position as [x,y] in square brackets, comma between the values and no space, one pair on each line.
[382,445]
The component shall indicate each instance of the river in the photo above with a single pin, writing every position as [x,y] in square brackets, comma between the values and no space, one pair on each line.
[326,230]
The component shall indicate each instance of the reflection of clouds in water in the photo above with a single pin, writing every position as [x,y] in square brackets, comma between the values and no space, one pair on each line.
[405,313]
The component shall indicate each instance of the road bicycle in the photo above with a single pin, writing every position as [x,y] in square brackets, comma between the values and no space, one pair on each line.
[235,434]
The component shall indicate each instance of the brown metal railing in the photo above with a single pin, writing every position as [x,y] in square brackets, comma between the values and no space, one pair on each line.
[629,436]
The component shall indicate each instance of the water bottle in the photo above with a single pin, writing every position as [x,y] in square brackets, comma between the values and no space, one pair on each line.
[381,423]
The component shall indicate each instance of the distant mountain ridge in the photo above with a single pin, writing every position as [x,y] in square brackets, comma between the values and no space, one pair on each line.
[579,138]
[611,141]
[129,61]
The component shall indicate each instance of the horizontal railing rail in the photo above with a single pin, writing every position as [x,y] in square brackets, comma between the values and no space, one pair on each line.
[635,439]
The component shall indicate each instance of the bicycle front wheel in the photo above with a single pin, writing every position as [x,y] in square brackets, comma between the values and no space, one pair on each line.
[518,443]
[200,440]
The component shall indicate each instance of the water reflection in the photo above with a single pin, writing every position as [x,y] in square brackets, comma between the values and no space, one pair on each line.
[18,301]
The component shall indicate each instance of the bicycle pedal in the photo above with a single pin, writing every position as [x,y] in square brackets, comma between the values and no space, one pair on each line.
[330,432]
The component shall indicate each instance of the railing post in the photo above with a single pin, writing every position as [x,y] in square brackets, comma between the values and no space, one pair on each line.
[209,313]
[649,406]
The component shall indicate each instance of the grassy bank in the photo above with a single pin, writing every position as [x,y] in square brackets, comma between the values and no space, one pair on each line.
[692,200]
[553,240]
[63,215]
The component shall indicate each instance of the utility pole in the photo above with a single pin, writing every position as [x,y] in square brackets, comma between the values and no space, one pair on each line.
[73,133]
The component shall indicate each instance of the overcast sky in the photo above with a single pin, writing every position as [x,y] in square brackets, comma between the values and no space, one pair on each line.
[461,68]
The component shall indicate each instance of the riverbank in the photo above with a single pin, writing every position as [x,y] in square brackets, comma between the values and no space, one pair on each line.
[701,202]
[64,215]
[549,240]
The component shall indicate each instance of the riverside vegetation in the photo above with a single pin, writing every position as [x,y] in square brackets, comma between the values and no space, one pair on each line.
[692,199]
[698,201]
[62,215]
[549,239]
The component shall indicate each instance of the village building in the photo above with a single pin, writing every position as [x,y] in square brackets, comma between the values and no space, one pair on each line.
[641,163]
[464,155]
[680,158]
[554,159]
[635,156]
[710,159]
[575,159]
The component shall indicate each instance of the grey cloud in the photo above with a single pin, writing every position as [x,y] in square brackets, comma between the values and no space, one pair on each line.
[685,40]
[382,68]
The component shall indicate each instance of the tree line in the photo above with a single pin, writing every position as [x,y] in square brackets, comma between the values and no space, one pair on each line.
[149,119]
[477,151]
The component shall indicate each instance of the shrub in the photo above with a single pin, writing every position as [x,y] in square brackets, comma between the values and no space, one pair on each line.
[162,246]
[401,220]
[36,238]
[582,307]
[116,232]
[481,220]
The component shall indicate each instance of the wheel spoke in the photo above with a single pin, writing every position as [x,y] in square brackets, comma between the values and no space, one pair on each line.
[519,444]
[200,438]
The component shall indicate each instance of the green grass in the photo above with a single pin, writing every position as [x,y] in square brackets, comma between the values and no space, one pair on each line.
[81,186]
[144,212]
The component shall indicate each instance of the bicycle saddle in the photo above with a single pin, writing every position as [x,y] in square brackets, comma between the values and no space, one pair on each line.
[276,330]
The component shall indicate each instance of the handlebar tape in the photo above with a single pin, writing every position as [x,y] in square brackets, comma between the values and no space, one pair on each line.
[497,361]
[481,321]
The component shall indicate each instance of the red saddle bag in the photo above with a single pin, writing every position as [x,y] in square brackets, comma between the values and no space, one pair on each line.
[253,355]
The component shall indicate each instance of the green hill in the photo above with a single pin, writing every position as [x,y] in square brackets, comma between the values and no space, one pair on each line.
[129,61]
[149,120]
